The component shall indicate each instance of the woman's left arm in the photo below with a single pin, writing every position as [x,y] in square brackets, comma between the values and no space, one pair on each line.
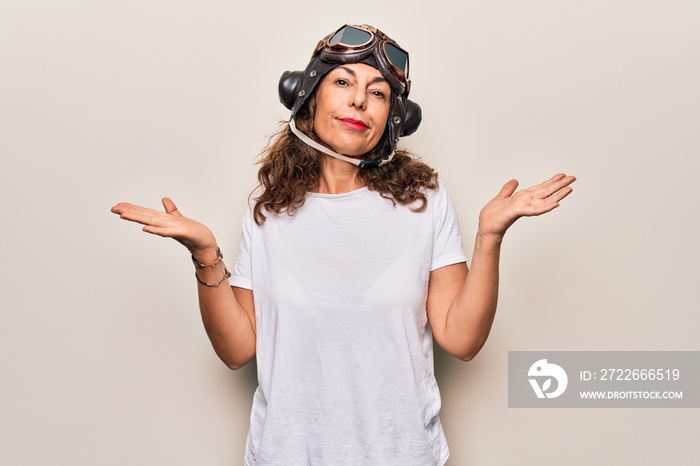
[462,302]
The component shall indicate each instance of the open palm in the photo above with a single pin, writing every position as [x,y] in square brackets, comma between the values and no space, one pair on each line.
[170,224]
[508,206]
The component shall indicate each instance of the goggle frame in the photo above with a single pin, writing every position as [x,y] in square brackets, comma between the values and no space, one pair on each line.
[377,40]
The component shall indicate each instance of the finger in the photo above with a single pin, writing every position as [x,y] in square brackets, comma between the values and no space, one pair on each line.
[561,194]
[125,207]
[143,215]
[548,204]
[120,207]
[557,177]
[553,185]
[508,189]
[161,231]
[540,208]
[561,180]
[169,206]
[561,185]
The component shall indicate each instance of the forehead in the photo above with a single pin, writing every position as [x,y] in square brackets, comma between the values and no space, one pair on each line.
[359,70]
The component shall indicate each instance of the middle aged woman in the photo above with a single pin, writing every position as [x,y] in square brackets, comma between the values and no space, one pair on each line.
[350,263]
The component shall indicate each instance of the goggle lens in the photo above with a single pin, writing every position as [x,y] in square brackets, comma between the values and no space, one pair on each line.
[350,37]
[397,57]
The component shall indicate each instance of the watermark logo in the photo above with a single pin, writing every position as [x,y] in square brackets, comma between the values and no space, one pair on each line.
[603,379]
[542,370]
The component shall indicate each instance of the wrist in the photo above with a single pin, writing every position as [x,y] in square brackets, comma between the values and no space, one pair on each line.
[485,238]
[206,257]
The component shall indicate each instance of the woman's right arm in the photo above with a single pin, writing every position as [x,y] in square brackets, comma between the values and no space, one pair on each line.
[228,312]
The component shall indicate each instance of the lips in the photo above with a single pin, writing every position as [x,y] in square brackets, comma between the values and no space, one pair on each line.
[353,123]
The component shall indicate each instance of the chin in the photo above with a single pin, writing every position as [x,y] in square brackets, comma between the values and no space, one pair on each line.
[351,150]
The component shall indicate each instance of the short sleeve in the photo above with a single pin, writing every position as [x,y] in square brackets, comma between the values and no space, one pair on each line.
[447,240]
[242,274]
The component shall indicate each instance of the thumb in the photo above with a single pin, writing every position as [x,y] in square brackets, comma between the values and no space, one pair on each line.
[508,189]
[169,205]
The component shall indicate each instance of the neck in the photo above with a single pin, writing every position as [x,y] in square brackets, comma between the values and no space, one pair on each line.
[337,176]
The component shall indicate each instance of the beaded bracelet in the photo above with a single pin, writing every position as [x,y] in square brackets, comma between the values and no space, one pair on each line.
[225,275]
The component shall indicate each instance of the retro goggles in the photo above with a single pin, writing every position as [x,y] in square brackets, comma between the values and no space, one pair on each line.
[358,39]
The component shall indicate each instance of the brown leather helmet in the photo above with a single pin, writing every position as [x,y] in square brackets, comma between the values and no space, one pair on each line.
[358,44]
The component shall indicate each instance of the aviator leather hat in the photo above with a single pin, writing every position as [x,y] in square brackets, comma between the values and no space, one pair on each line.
[357,44]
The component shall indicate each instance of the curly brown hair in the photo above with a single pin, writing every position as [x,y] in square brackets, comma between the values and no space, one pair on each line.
[289,169]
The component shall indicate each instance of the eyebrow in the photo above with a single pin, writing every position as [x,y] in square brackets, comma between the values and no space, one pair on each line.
[378,79]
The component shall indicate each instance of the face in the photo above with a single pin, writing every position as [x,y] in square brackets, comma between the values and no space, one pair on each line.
[352,108]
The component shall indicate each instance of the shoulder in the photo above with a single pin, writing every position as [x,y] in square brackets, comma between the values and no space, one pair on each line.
[439,194]
[440,190]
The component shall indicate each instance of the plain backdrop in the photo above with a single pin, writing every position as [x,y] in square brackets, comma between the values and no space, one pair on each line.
[103,358]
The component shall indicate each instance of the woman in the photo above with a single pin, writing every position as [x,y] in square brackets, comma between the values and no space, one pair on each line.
[350,264]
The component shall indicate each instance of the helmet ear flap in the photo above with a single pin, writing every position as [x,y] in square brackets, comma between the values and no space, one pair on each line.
[412,118]
[288,88]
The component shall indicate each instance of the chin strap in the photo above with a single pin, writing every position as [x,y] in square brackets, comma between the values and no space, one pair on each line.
[360,163]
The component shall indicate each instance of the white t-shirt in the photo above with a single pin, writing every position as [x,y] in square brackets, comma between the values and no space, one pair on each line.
[344,349]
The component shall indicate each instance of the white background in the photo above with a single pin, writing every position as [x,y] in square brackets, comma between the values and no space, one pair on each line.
[103,359]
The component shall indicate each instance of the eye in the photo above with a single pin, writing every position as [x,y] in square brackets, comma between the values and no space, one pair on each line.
[378,94]
[341,82]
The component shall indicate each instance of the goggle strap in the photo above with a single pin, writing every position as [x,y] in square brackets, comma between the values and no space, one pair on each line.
[311,143]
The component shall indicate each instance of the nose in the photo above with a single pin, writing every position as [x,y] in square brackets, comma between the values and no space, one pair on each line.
[358,98]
